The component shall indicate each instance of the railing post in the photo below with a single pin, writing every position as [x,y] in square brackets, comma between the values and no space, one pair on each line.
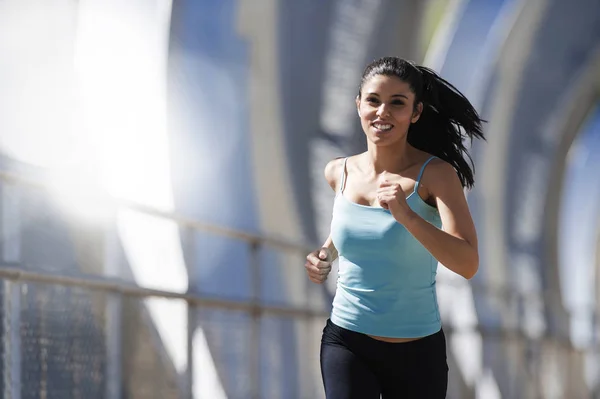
[114,326]
[255,358]
[189,254]
[11,253]
[191,328]
[12,340]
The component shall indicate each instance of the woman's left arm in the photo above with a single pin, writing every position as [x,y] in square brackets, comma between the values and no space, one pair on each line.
[455,246]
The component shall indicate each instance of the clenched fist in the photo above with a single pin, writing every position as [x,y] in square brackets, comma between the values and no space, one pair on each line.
[391,197]
[318,265]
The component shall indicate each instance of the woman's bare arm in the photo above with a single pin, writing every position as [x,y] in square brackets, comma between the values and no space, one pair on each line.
[456,245]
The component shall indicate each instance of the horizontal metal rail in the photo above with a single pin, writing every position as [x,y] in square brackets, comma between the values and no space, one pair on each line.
[181,220]
[114,285]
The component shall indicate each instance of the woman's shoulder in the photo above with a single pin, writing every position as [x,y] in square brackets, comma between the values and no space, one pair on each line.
[437,171]
[433,162]
[440,167]
[333,170]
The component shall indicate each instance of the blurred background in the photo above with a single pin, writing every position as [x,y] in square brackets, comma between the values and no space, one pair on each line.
[161,181]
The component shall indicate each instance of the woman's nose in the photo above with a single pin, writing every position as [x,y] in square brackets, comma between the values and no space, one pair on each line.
[382,110]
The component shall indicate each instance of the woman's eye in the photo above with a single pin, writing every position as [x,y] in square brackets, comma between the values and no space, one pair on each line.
[373,100]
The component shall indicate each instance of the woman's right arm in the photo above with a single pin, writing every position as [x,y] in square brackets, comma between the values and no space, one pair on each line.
[318,262]
[333,173]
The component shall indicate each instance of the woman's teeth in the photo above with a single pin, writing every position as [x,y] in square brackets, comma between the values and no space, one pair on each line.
[382,127]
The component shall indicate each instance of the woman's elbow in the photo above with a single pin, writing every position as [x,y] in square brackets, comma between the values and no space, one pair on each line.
[471,267]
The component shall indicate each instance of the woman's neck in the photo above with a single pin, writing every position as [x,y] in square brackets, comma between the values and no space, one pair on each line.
[392,158]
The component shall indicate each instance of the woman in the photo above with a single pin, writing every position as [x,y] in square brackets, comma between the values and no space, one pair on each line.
[399,209]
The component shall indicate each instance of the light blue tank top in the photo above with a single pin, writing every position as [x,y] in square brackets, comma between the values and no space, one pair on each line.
[386,278]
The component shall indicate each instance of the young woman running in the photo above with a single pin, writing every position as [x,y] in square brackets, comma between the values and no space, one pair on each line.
[399,209]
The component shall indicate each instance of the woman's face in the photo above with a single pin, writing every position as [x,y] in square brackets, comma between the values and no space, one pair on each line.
[386,109]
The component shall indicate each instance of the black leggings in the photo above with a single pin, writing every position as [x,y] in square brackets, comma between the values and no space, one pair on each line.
[354,365]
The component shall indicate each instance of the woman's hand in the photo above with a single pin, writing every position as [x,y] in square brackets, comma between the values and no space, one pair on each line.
[318,265]
[391,197]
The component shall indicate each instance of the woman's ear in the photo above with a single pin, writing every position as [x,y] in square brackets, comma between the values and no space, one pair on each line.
[417,113]
[358,105]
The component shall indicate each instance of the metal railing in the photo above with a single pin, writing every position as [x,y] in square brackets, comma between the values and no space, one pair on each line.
[18,273]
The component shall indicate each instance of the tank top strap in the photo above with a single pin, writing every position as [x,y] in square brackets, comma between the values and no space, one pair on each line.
[421,172]
[343,176]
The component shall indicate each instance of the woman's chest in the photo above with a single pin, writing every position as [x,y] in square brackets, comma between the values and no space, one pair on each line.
[366,230]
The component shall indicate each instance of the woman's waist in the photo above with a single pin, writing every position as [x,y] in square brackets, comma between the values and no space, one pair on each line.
[385,278]
[394,295]
[404,321]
